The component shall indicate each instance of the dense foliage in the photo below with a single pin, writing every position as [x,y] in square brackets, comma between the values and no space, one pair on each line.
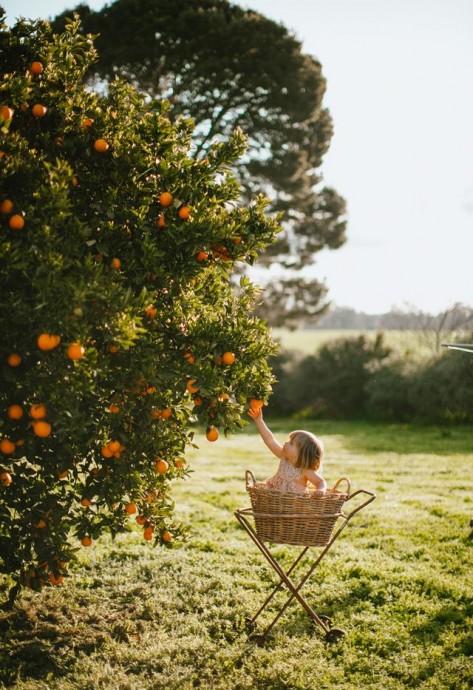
[120,323]
[362,378]
[225,66]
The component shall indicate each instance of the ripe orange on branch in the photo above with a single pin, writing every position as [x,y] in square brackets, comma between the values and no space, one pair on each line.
[36,68]
[184,212]
[15,412]
[212,433]
[6,206]
[191,387]
[5,479]
[14,359]
[161,466]
[7,447]
[75,351]
[38,411]
[42,429]
[6,113]
[16,222]
[47,341]
[256,404]
[39,110]
[228,358]
[101,145]
[166,199]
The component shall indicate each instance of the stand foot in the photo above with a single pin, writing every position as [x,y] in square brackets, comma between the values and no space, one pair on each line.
[258,640]
[250,625]
[325,619]
[335,634]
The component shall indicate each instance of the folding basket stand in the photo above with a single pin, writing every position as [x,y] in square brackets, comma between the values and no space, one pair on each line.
[297,528]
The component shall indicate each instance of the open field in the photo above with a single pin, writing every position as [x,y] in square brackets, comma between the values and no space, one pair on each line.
[309,341]
[398,580]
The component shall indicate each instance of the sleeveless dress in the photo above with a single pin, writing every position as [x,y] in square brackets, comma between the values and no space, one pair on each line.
[287,479]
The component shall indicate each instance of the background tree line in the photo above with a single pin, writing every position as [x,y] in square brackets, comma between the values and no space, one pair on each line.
[362,378]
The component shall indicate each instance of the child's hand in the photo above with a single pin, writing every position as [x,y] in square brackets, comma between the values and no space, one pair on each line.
[255,414]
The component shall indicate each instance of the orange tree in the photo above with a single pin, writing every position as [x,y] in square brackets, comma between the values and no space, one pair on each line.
[121,324]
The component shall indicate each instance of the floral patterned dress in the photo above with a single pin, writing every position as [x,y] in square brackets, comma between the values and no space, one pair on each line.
[287,479]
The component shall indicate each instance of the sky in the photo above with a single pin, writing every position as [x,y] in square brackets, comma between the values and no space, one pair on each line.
[400,92]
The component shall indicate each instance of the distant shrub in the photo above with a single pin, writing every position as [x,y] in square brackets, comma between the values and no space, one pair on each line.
[358,377]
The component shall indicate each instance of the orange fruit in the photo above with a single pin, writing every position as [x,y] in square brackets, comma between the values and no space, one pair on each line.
[140,519]
[15,412]
[228,358]
[161,223]
[7,447]
[88,122]
[212,433]
[6,113]
[166,413]
[16,222]
[42,429]
[39,110]
[151,311]
[165,199]
[198,401]
[47,341]
[223,396]
[74,181]
[55,580]
[180,463]
[86,541]
[167,536]
[14,359]
[114,446]
[75,351]
[85,502]
[184,212]
[201,256]
[6,206]
[100,145]
[114,408]
[63,475]
[36,68]
[5,479]
[41,524]
[161,466]
[191,387]
[106,452]
[256,404]
[115,264]
[38,411]
[190,357]
[130,508]
[113,349]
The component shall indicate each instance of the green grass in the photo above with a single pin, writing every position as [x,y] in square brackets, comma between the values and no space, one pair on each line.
[309,341]
[398,580]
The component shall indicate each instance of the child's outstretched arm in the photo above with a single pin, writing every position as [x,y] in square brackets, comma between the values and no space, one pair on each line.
[267,436]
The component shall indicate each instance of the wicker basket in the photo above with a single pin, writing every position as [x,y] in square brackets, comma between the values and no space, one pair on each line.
[287,518]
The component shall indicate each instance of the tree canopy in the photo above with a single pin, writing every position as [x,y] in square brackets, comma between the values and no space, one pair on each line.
[121,326]
[225,67]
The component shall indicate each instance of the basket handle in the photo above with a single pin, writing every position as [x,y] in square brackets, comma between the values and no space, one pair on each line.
[343,479]
[249,478]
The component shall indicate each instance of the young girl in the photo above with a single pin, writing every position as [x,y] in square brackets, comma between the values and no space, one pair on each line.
[300,459]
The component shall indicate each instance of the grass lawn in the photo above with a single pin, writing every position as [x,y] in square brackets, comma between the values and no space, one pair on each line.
[309,340]
[398,580]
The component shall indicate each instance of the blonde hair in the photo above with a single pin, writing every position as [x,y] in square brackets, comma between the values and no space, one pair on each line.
[310,450]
